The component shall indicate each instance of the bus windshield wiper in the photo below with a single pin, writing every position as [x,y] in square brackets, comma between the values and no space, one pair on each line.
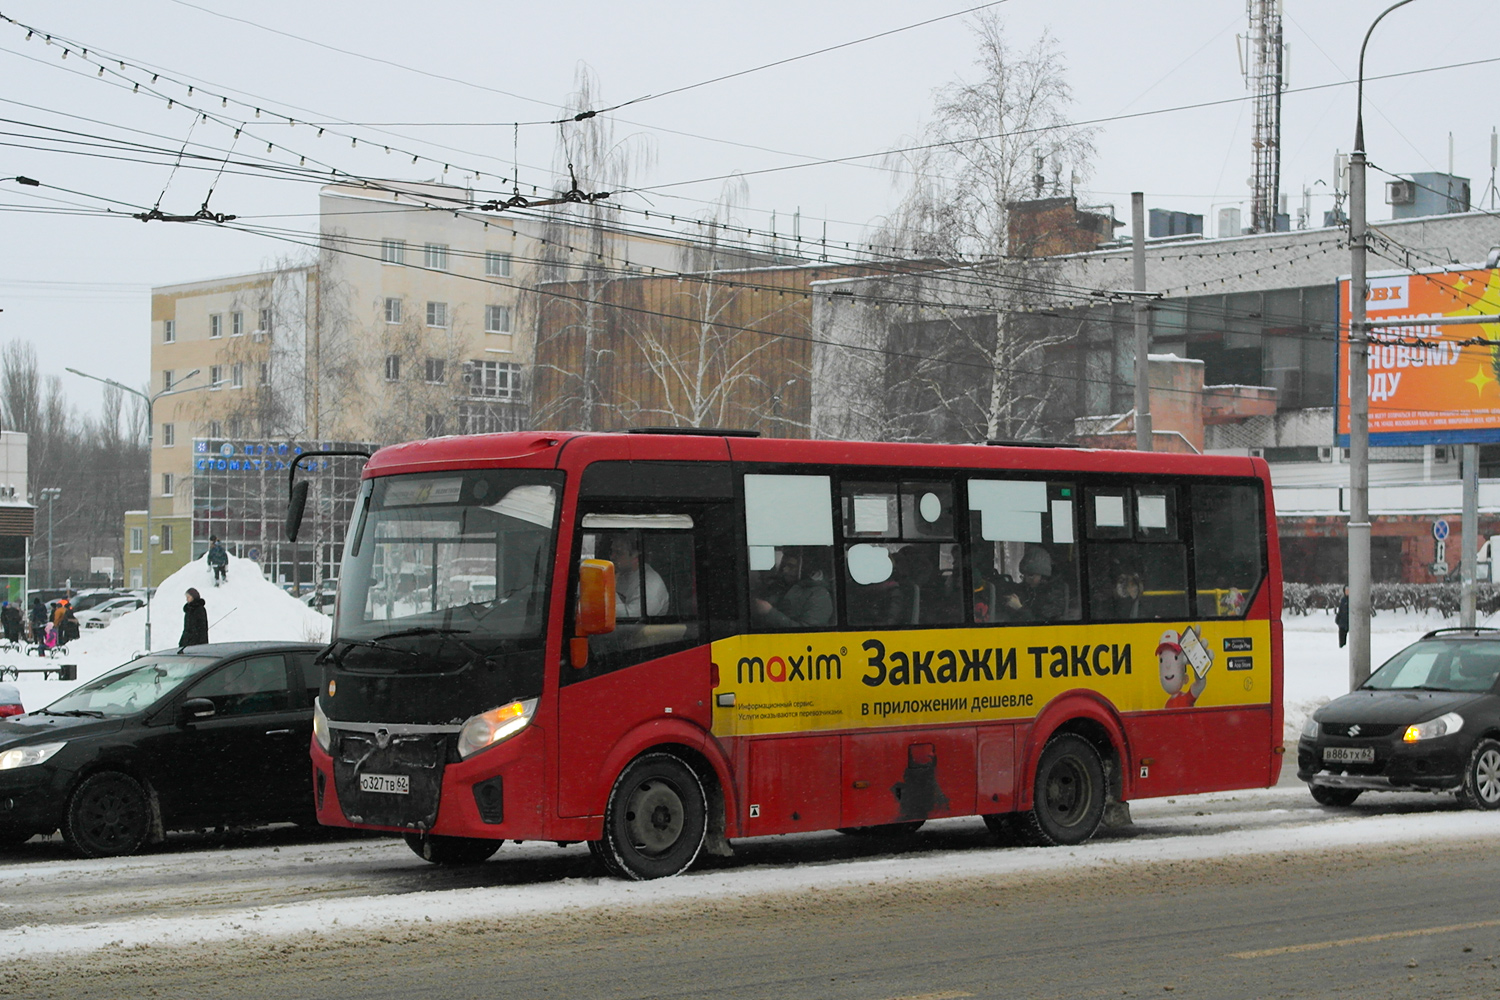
[333,652]
[420,630]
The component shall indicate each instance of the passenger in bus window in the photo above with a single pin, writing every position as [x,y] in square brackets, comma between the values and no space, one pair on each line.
[803,599]
[1037,597]
[632,577]
[1125,595]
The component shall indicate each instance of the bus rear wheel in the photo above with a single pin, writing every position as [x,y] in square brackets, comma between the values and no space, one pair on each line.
[1068,797]
[452,851]
[656,820]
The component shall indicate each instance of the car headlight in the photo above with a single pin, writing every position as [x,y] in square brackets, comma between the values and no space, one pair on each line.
[1443,725]
[320,726]
[27,756]
[488,728]
[1309,728]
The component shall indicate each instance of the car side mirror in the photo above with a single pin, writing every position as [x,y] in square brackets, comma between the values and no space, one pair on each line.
[195,710]
[596,606]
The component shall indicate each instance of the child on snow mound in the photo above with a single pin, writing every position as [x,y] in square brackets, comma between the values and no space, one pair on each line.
[218,559]
[46,643]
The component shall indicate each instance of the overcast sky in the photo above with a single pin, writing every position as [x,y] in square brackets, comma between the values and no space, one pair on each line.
[78,287]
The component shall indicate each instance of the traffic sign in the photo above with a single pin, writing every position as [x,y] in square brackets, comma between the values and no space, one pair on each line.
[1440,529]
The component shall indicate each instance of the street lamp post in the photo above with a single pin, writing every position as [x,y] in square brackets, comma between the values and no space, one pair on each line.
[1359,391]
[168,390]
[50,494]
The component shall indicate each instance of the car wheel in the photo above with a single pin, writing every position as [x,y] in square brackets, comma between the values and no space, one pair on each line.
[1068,798]
[1481,788]
[107,815]
[1323,795]
[656,819]
[452,851]
[883,831]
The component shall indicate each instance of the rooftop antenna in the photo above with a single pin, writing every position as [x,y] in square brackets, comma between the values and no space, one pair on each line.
[1494,157]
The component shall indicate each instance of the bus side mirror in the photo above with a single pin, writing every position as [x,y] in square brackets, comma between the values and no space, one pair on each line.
[296,502]
[596,606]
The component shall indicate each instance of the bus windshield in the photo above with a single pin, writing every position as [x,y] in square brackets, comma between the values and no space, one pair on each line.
[466,554]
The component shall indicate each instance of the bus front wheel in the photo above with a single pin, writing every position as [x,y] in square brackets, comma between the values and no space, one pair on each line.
[656,820]
[1068,798]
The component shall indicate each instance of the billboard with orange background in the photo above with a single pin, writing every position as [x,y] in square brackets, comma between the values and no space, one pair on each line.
[1429,384]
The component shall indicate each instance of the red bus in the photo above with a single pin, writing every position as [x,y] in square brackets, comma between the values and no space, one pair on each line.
[660,642]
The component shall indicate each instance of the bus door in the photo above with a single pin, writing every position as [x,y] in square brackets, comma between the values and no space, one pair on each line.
[655,665]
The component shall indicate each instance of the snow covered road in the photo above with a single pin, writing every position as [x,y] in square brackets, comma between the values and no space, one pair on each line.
[280,882]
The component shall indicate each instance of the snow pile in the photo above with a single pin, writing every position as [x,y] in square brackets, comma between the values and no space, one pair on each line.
[245,607]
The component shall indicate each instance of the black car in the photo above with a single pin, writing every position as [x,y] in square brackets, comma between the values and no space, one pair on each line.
[211,735]
[1427,721]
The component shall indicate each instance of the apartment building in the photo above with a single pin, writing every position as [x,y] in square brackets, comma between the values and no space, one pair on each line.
[412,320]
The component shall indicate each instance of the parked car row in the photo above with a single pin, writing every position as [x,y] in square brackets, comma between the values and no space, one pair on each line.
[204,736]
[101,615]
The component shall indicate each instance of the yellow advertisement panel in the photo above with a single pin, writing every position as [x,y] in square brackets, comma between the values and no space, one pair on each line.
[1435,383]
[820,681]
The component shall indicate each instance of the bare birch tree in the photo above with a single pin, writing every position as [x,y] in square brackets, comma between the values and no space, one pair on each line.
[973,367]
[583,240]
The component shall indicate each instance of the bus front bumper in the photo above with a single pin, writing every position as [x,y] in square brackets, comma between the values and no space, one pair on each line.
[499,793]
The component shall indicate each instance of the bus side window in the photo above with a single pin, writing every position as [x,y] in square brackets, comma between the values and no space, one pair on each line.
[1023,545]
[789,532]
[902,567]
[656,588]
[1227,552]
[1137,559]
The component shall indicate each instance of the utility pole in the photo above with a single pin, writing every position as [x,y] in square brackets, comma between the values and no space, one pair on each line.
[50,494]
[1359,392]
[1142,324]
[1469,545]
[150,400]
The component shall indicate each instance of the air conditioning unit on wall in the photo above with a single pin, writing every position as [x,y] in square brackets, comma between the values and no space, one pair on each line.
[1400,192]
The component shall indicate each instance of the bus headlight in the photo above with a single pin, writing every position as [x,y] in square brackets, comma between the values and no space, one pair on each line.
[1443,725]
[320,726]
[488,728]
[27,756]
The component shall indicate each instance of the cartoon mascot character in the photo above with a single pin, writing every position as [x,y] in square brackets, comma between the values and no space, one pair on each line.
[1174,657]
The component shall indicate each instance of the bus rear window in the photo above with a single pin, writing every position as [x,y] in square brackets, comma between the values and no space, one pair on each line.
[1228,555]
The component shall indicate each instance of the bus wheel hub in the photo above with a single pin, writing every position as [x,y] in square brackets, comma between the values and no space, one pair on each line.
[655,817]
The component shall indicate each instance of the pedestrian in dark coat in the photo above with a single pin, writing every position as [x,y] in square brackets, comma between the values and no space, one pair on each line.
[10,621]
[1341,618]
[194,620]
[38,614]
[68,630]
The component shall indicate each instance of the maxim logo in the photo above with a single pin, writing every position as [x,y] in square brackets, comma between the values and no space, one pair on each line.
[780,669]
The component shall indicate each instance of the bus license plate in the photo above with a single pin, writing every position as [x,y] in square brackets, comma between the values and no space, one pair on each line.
[1350,755]
[389,784]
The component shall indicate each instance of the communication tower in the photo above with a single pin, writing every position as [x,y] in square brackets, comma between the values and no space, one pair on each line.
[1262,63]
